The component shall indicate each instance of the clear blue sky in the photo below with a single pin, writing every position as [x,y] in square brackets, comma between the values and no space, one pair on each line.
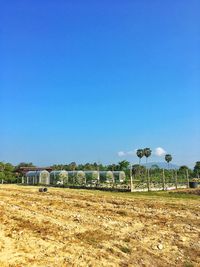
[82,80]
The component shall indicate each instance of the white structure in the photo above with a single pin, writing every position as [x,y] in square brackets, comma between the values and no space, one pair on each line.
[80,177]
[119,176]
[92,177]
[106,177]
[74,177]
[58,177]
[71,177]
[37,177]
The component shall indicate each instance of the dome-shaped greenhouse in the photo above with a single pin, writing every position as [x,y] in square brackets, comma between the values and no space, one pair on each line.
[106,177]
[80,177]
[58,177]
[91,177]
[37,177]
[119,176]
[71,177]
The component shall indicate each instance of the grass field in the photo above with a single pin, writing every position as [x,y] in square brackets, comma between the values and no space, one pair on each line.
[66,227]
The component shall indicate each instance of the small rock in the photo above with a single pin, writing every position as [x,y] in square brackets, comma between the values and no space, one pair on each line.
[160,246]
[77,218]
[183,238]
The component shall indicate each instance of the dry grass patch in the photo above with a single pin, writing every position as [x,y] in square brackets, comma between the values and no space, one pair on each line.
[93,238]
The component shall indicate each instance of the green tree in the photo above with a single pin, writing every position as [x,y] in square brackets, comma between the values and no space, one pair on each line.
[81,167]
[25,164]
[72,166]
[197,169]
[140,154]
[88,167]
[138,169]
[168,158]
[147,153]
[2,166]
[8,167]
[156,171]
[95,166]
[7,172]
[123,165]
[101,167]
[2,176]
[155,167]
[112,167]
[183,170]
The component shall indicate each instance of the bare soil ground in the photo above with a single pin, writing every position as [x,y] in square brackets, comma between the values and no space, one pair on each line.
[66,227]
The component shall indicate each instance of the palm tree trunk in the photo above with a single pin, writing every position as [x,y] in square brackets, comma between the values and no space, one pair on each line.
[148,182]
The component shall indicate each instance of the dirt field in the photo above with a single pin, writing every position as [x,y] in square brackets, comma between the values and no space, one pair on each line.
[85,228]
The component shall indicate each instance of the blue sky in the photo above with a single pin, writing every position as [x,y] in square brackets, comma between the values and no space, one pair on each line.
[83,80]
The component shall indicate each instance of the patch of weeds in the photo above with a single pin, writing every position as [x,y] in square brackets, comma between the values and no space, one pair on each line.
[188,264]
[127,239]
[122,212]
[79,205]
[93,238]
[125,249]
[111,250]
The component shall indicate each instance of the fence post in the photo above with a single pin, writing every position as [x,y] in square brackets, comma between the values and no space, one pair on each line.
[163,179]
[176,182]
[187,176]
[131,176]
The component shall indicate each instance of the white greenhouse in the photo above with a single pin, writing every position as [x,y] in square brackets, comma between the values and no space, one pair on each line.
[76,177]
[80,177]
[91,177]
[119,176]
[58,177]
[71,177]
[106,177]
[63,177]
[37,177]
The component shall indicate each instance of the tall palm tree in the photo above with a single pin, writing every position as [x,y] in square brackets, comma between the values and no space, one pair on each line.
[168,158]
[140,154]
[147,153]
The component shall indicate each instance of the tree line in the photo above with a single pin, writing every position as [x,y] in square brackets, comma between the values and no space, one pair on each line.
[10,173]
